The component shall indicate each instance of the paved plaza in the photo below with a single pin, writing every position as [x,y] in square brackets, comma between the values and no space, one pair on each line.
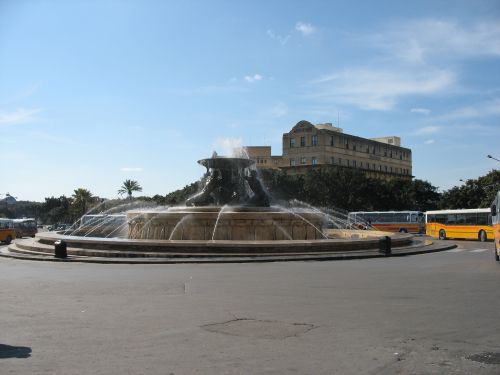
[426,314]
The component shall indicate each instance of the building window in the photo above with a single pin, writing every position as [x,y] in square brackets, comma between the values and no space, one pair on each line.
[331,140]
[314,161]
[385,167]
[340,161]
[332,160]
[347,162]
[354,147]
[292,142]
[354,163]
[302,160]
[302,141]
[292,162]
[314,140]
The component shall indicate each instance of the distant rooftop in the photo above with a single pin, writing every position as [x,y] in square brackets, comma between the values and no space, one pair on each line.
[7,198]
[328,126]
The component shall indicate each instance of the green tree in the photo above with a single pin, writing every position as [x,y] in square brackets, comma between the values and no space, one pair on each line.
[425,196]
[81,201]
[475,193]
[128,187]
[56,210]
[178,196]
[350,189]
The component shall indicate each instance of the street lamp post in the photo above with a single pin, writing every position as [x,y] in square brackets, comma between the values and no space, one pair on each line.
[491,157]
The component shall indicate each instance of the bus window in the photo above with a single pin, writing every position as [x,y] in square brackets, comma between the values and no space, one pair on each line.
[482,218]
[460,219]
[471,219]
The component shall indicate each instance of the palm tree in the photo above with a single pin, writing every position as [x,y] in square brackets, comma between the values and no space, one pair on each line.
[129,187]
[81,197]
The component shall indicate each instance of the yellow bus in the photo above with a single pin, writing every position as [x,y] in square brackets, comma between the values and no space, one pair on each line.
[495,219]
[472,224]
[7,231]
[389,221]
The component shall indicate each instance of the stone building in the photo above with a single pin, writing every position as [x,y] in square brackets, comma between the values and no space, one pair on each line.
[263,158]
[314,146]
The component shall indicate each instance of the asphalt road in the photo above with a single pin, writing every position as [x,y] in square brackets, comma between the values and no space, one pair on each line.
[427,314]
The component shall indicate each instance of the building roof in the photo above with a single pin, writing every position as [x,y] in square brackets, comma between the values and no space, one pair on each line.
[8,199]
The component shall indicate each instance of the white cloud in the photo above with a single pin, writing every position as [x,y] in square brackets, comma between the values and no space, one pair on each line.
[428,39]
[423,111]
[213,90]
[254,78]
[377,89]
[427,130]
[19,116]
[429,141]
[46,137]
[279,110]
[281,39]
[484,109]
[476,129]
[25,93]
[131,169]
[305,28]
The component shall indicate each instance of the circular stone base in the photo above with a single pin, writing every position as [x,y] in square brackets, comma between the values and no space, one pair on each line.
[96,250]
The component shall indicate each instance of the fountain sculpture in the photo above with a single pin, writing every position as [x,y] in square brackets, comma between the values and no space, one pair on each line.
[232,205]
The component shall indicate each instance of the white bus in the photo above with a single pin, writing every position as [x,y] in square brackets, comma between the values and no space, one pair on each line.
[389,221]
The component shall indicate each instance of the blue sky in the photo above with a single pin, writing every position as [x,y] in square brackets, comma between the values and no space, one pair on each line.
[96,92]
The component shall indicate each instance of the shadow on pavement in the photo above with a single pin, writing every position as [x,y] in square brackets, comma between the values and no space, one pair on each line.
[7,351]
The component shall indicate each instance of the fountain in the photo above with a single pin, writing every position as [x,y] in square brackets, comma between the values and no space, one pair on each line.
[230,219]
[232,205]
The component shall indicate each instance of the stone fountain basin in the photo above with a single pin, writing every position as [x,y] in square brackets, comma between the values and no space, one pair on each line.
[137,247]
[226,223]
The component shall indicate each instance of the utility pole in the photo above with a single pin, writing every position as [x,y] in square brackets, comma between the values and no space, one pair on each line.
[491,157]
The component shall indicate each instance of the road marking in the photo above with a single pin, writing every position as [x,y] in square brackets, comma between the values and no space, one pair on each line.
[455,250]
[478,250]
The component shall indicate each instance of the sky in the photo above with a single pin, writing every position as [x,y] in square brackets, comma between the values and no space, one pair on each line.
[96,92]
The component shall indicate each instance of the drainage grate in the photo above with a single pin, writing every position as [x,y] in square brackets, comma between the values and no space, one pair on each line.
[487,358]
